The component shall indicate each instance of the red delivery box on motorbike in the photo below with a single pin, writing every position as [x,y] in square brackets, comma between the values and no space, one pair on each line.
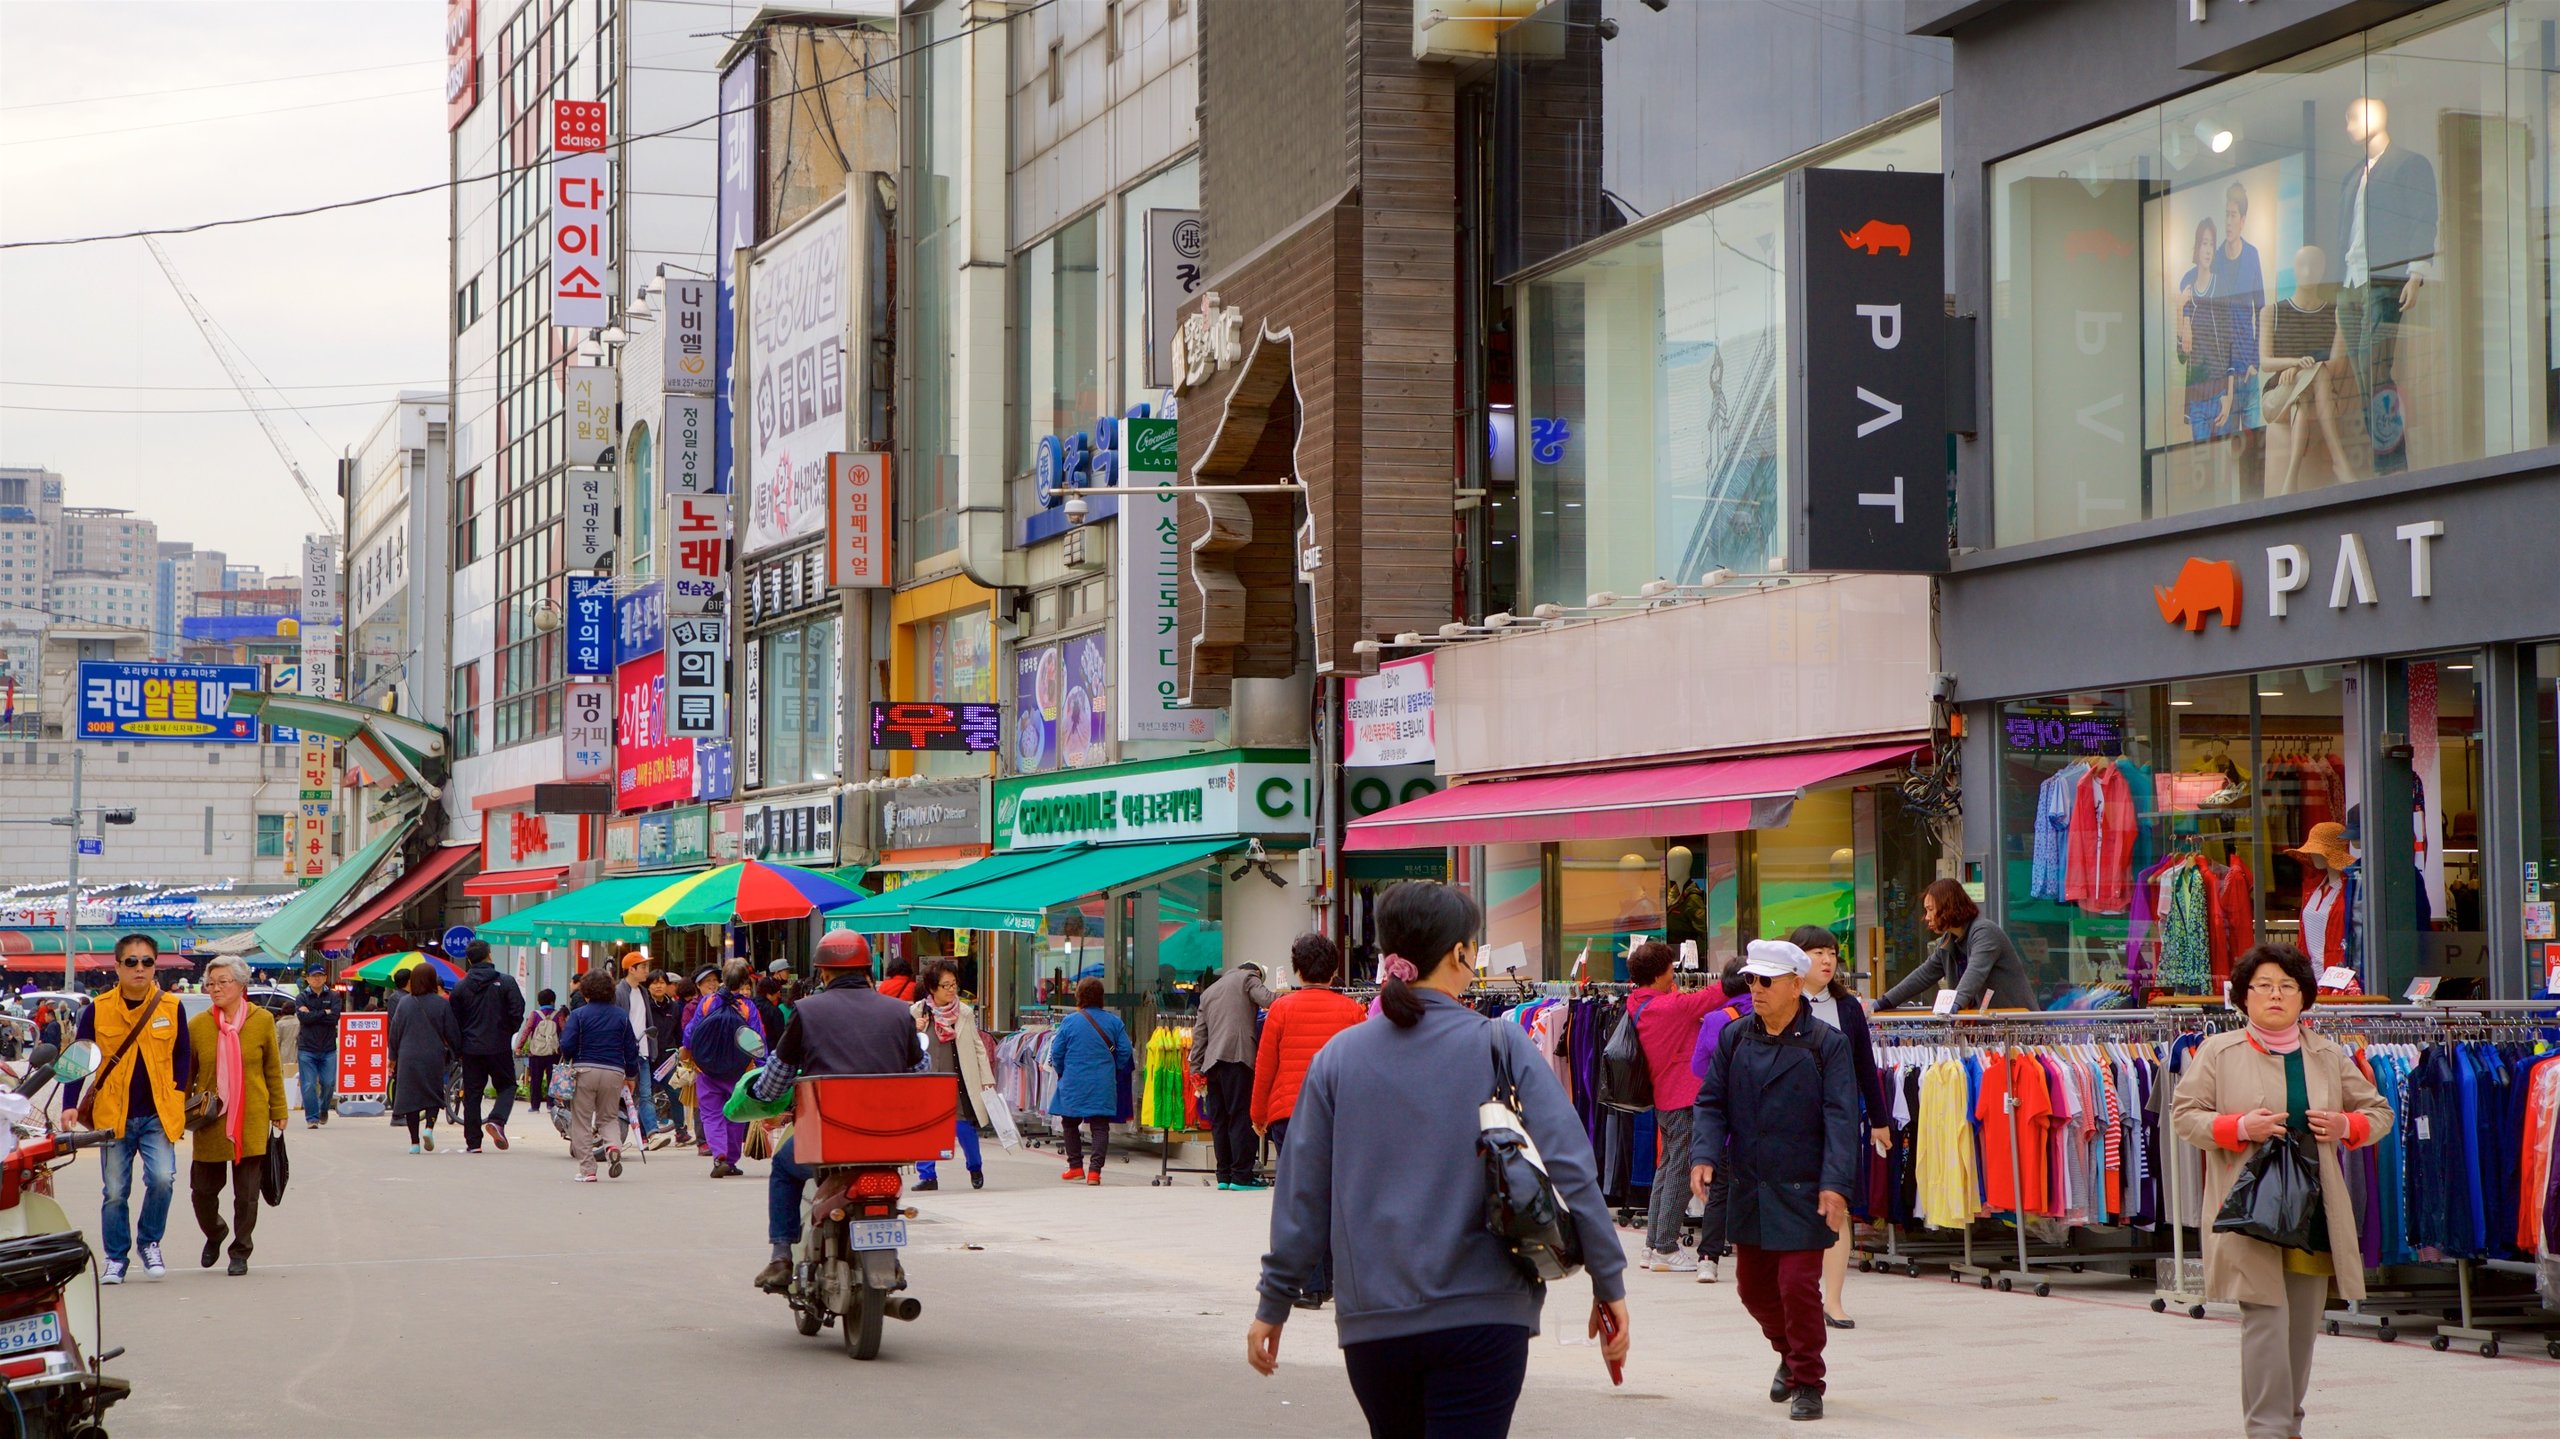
[875,1119]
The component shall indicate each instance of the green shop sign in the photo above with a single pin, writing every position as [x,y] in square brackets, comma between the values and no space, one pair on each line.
[1228,792]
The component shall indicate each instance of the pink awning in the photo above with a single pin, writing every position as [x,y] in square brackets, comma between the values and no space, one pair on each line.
[1704,797]
[434,872]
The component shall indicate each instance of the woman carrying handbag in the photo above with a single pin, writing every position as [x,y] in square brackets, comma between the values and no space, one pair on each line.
[1384,1187]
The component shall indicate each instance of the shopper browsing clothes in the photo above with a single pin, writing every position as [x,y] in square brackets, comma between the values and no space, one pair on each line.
[1381,1184]
[239,1084]
[1222,1047]
[950,1029]
[1778,1114]
[139,1095]
[2240,1090]
[1836,1004]
[1092,1057]
[1667,1024]
[1973,956]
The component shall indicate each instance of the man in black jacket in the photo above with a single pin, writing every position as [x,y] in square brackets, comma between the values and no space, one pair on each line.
[1778,1110]
[318,1009]
[2387,218]
[489,1009]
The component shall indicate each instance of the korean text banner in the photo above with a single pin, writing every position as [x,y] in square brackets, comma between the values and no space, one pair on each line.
[650,766]
[120,701]
[794,365]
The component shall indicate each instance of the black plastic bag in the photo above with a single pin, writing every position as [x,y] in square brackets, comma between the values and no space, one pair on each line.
[1626,1078]
[2276,1197]
[275,1173]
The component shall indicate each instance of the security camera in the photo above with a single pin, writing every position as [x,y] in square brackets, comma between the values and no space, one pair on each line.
[1657,6]
[1077,509]
[1607,27]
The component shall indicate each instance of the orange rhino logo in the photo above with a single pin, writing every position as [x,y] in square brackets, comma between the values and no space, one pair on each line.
[1877,236]
[2203,587]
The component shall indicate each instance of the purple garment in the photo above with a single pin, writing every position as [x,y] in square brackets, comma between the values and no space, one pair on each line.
[2139,919]
[727,1137]
[1735,1007]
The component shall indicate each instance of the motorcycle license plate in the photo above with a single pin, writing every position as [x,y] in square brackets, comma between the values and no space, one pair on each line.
[36,1331]
[876,1234]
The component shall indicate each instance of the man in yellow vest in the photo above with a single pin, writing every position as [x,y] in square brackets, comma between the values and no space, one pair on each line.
[139,1096]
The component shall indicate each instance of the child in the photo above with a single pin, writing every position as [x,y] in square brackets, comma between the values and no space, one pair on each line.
[540,1046]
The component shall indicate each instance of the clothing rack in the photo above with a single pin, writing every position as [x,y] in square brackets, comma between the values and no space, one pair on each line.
[1166,1169]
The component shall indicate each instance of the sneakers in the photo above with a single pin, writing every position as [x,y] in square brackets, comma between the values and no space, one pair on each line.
[586,1179]
[430,1141]
[660,1140]
[977,1179]
[497,1136]
[1093,1176]
[413,1149]
[312,1124]
[613,1162]
[152,1263]
[114,1273]
[1072,1175]
[722,1169]
[1706,1271]
[1677,1261]
[926,1186]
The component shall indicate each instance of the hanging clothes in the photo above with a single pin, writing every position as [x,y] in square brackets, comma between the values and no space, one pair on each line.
[2054,801]
[2098,860]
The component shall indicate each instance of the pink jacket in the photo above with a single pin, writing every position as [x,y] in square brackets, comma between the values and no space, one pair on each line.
[2098,866]
[1667,1026]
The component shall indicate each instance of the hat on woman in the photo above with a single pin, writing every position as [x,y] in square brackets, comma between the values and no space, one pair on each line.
[2329,842]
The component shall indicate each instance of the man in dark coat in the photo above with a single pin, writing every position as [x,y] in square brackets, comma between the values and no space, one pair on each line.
[846,1028]
[489,1010]
[1778,1114]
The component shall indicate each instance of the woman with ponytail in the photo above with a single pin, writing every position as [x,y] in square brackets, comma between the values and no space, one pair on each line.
[1381,1194]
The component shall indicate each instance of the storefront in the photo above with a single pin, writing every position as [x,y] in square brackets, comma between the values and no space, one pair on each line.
[2386,665]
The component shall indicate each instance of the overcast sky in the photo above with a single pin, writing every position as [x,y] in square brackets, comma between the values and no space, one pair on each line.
[249,107]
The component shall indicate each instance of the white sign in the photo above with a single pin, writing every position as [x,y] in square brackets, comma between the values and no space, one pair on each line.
[697,538]
[858,521]
[588,730]
[1176,264]
[319,579]
[1212,338]
[1387,717]
[581,239]
[1225,793]
[796,377]
[1146,578]
[684,447]
[589,523]
[686,327]
[589,393]
[751,701]
[515,837]
[697,689]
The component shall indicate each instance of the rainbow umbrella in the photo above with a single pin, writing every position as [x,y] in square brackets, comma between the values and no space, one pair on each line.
[383,968]
[748,892]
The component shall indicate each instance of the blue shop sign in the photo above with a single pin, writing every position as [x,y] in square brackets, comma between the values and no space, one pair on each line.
[640,623]
[714,769]
[591,626]
[1086,460]
[121,701]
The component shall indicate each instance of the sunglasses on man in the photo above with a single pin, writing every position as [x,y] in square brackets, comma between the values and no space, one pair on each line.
[137,961]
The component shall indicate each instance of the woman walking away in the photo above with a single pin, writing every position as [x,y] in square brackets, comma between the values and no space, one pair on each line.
[950,1028]
[2240,1090]
[241,1064]
[1836,1004]
[1300,1024]
[604,1060]
[540,1046]
[424,1039]
[712,1041]
[1973,956]
[1092,1057]
[1382,1188]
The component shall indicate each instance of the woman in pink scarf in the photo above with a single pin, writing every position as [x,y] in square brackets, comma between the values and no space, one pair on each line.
[237,1061]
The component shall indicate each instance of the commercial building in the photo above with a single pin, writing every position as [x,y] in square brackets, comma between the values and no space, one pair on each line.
[2267,350]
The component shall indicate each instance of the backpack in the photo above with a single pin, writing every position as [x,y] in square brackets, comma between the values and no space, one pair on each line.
[1626,1079]
[713,1041]
[545,1039]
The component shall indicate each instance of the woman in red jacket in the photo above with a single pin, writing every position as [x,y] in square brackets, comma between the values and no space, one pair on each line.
[1298,1025]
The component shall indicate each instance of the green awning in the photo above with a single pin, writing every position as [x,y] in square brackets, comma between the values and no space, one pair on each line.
[592,912]
[94,940]
[887,913]
[284,935]
[1019,901]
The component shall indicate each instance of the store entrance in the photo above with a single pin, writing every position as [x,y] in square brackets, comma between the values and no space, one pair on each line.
[2422,830]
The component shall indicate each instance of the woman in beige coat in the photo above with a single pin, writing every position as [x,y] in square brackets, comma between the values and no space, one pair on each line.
[237,1060]
[950,1030]
[2238,1091]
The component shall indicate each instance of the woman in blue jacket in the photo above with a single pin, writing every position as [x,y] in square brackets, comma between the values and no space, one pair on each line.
[1093,1059]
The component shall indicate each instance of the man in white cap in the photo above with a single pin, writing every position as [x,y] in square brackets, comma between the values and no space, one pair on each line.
[1777,1115]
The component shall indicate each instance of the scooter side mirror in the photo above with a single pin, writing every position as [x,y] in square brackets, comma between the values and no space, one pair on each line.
[78,1062]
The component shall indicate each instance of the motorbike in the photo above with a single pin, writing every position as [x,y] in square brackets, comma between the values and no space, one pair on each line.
[854,1133]
[56,1384]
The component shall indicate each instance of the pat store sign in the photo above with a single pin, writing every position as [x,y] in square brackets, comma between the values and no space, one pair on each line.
[1228,792]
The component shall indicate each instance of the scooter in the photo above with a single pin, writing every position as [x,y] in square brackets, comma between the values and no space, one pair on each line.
[56,1386]
[846,1269]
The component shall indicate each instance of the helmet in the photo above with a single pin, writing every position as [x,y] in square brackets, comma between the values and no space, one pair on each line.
[844,949]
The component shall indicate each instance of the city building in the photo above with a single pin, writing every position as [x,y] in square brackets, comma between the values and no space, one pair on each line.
[395,625]
[2297,578]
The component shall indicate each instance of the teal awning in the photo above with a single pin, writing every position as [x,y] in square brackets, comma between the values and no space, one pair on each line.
[284,935]
[887,913]
[591,912]
[1019,901]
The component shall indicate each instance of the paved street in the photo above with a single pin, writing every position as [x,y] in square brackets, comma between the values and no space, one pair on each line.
[445,1295]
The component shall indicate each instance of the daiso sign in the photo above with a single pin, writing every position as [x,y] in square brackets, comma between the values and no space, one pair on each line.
[518,838]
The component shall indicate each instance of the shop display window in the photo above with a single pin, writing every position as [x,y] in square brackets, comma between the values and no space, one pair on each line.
[2540,694]
[1515,895]
[2148,834]
[1655,431]
[1057,336]
[2421,831]
[1609,891]
[954,663]
[1809,871]
[2304,277]
[1702,896]
[798,725]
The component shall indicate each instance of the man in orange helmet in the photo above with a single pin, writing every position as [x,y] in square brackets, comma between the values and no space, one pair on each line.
[846,1028]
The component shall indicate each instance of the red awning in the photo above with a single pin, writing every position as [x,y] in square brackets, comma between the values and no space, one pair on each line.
[86,964]
[439,867]
[516,881]
[1705,797]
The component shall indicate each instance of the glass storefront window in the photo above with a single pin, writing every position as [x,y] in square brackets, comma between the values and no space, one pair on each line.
[2146,833]
[799,720]
[1656,396]
[1809,871]
[1057,336]
[2540,693]
[1515,897]
[2426,806]
[2303,277]
[955,662]
[1175,189]
[929,482]
[1611,889]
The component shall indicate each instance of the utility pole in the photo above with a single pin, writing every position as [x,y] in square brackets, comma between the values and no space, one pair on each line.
[71,897]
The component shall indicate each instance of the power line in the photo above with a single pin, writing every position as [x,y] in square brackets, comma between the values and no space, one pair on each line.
[222,85]
[437,382]
[220,410]
[501,174]
[212,119]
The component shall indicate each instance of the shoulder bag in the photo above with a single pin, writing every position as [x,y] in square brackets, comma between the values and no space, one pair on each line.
[1521,1206]
[1626,1079]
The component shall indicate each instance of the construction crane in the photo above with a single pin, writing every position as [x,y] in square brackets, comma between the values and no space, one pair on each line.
[231,367]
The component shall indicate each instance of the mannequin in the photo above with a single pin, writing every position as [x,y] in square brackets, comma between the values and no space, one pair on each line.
[2326,903]
[1684,908]
[2387,212]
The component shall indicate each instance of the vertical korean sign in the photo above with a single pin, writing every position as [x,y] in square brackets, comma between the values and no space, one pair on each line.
[308,846]
[858,521]
[1146,571]
[687,337]
[581,215]
[588,730]
[587,528]
[735,216]
[697,531]
[590,627]
[1175,247]
[697,675]
[794,354]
